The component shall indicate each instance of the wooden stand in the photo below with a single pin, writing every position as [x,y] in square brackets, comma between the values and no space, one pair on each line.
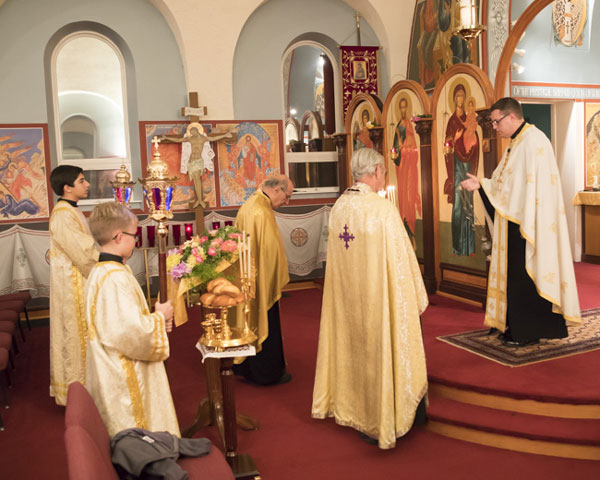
[219,410]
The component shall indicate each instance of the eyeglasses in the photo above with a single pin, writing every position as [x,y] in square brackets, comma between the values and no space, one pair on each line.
[134,235]
[496,122]
[287,196]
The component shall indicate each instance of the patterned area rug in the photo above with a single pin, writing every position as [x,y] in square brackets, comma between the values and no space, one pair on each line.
[581,339]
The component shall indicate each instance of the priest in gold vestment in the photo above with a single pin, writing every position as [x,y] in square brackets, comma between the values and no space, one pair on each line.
[126,343]
[73,253]
[268,254]
[371,373]
[532,293]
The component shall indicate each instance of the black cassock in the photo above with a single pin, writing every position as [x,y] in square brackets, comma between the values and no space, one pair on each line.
[528,316]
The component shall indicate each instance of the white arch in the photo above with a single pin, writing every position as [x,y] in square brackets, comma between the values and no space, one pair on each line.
[339,122]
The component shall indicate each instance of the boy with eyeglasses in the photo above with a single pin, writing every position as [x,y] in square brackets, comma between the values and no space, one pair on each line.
[126,343]
[73,253]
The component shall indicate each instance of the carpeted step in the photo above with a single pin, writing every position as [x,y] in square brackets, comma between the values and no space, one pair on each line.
[533,427]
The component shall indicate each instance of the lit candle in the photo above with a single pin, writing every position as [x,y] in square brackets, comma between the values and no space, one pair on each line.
[249,256]
[188,231]
[240,258]
[216,225]
[391,194]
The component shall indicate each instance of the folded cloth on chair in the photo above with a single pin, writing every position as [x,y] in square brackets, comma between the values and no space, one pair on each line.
[139,453]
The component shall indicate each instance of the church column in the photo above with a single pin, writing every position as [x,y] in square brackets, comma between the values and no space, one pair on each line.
[341,142]
[423,128]
[489,143]
[328,94]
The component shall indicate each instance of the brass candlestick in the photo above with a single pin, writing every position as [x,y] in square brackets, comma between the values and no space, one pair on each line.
[218,333]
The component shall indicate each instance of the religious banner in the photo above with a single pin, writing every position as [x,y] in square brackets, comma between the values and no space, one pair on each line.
[24,168]
[592,144]
[434,48]
[25,259]
[359,72]
[304,237]
[243,165]
[173,149]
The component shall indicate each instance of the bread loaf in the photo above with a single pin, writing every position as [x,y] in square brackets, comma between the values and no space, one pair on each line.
[226,289]
[217,281]
[207,298]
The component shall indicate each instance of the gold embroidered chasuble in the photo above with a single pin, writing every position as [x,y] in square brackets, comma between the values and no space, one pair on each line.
[256,217]
[525,189]
[371,372]
[126,348]
[73,253]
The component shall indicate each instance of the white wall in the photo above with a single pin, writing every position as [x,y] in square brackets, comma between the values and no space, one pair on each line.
[27,25]
[568,133]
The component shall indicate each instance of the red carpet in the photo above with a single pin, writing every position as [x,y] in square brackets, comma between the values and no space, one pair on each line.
[562,380]
[289,444]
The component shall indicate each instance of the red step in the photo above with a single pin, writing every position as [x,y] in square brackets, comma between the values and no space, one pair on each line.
[532,427]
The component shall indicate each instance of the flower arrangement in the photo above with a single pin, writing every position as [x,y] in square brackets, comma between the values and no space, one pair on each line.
[204,257]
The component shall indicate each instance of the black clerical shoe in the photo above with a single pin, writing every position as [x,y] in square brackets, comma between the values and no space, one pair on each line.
[369,440]
[493,331]
[285,378]
[513,343]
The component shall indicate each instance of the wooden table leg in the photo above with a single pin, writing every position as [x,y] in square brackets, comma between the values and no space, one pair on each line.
[210,409]
[243,466]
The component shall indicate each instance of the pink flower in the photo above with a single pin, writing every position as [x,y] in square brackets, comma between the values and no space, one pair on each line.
[211,251]
[234,235]
[199,259]
[203,239]
[229,246]
[216,242]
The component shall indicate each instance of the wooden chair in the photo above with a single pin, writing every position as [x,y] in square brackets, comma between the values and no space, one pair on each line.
[3,368]
[20,296]
[88,445]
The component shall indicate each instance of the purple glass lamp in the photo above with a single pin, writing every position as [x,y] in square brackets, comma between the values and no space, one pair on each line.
[122,186]
[158,189]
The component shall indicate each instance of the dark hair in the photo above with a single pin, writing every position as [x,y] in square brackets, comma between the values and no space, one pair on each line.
[64,175]
[508,105]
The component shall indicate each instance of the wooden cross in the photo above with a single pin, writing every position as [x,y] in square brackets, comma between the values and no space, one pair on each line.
[194,111]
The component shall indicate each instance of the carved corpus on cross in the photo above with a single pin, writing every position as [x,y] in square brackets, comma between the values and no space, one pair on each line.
[346,237]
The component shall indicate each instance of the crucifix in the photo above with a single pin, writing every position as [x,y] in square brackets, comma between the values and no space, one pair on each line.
[196,158]
[346,237]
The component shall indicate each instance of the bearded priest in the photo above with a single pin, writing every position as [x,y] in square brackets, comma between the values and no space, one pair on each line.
[371,372]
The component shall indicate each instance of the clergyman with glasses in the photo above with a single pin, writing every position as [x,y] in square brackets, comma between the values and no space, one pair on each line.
[532,293]
[371,373]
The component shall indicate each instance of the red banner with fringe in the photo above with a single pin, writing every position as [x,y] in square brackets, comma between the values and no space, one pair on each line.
[359,72]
